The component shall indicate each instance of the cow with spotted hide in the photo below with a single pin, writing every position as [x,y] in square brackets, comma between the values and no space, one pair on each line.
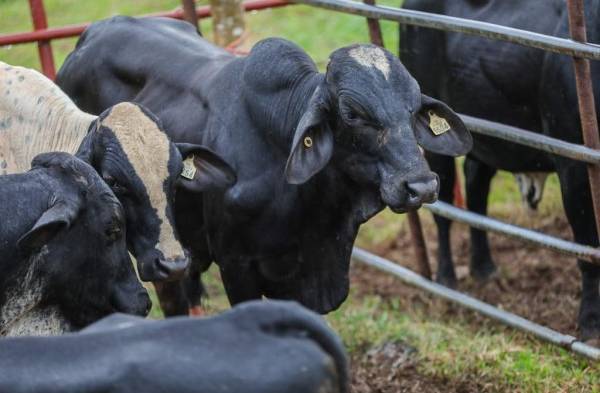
[316,154]
[63,259]
[126,145]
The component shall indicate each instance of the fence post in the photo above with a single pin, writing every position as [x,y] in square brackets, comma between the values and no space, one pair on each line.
[38,16]
[374,27]
[189,13]
[585,97]
[228,21]
[414,222]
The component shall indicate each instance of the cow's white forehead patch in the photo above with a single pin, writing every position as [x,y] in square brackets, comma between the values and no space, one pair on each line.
[147,149]
[370,56]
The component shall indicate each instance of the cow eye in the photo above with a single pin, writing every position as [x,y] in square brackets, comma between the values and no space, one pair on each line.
[114,185]
[109,180]
[350,115]
[113,233]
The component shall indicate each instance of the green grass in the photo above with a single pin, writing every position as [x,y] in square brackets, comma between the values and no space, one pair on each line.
[451,348]
[456,349]
[319,32]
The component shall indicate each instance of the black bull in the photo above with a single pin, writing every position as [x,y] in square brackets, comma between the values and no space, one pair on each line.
[520,86]
[260,347]
[315,154]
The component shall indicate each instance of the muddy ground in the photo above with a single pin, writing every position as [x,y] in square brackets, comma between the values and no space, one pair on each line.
[538,284]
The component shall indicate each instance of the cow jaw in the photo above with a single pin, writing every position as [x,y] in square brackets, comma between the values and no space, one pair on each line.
[148,150]
[39,322]
[21,314]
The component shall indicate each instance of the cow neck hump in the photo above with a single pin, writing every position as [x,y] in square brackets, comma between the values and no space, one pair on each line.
[35,117]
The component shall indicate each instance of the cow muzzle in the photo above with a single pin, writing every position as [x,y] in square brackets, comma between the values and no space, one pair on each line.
[137,303]
[158,268]
[409,194]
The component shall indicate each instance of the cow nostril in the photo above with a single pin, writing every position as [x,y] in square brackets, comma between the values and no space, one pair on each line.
[422,191]
[412,193]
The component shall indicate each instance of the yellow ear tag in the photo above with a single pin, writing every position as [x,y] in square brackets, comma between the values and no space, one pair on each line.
[189,169]
[308,142]
[438,124]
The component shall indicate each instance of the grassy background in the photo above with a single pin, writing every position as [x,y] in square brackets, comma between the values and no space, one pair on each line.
[448,348]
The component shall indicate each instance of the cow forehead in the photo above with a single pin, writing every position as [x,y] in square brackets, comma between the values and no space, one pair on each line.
[370,57]
[148,150]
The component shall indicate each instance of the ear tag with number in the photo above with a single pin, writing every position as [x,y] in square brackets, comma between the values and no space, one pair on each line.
[438,124]
[189,169]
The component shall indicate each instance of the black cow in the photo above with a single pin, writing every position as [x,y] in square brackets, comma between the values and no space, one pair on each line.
[259,347]
[316,154]
[125,144]
[524,87]
[63,259]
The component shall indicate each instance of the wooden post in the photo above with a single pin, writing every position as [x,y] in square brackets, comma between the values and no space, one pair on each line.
[228,20]
[189,13]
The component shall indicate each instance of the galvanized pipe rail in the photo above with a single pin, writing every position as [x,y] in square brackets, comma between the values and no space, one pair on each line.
[478,221]
[512,320]
[531,139]
[459,25]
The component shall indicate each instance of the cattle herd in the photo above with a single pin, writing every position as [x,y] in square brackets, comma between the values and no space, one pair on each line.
[156,143]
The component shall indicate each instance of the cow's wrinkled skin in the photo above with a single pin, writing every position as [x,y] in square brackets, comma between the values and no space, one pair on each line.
[125,144]
[520,86]
[63,259]
[258,347]
[316,154]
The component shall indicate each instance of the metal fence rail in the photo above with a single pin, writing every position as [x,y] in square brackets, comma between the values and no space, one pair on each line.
[75,30]
[471,303]
[460,25]
[532,139]
[475,220]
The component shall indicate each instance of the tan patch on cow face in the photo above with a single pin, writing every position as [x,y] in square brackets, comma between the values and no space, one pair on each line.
[371,57]
[147,149]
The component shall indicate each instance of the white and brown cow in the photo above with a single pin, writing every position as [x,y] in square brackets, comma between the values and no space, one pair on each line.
[125,144]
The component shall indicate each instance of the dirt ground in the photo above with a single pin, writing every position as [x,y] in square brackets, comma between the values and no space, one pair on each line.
[538,284]
[392,368]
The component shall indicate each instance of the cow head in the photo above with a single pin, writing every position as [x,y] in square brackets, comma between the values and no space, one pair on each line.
[130,150]
[78,247]
[369,115]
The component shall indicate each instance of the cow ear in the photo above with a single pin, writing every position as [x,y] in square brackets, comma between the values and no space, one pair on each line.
[88,148]
[312,146]
[203,169]
[58,217]
[439,130]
